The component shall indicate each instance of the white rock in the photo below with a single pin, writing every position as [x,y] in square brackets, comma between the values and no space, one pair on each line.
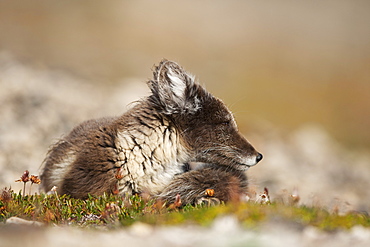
[19,221]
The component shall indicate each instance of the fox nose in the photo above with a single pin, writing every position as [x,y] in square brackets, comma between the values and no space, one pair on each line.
[259,157]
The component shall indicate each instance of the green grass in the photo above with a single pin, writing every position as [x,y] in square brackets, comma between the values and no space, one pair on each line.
[114,211]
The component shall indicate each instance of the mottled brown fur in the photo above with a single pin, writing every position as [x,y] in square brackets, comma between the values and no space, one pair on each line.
[95,139]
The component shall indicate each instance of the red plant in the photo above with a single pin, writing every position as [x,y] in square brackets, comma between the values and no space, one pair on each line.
[24,178]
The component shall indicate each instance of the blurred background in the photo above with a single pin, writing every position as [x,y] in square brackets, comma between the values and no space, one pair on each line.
[296,74]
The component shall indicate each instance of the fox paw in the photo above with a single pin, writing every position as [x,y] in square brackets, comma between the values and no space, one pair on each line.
[208,201]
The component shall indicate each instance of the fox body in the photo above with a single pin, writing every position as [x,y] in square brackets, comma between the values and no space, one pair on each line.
[142,150]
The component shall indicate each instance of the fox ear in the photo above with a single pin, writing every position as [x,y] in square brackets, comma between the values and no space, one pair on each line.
[173,89]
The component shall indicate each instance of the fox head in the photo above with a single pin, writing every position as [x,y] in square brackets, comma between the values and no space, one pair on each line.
[206,125]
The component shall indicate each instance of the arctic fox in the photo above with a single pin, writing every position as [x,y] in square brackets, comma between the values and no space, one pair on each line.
[142,150]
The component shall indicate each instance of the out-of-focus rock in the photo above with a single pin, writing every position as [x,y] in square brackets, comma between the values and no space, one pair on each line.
[20,221]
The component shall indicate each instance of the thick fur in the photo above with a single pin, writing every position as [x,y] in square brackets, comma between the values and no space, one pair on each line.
[143,149]
[227,184]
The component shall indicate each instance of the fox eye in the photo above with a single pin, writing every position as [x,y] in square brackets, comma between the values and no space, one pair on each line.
[225,123]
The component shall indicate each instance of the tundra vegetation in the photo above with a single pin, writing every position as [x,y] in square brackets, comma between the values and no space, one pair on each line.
[114,211]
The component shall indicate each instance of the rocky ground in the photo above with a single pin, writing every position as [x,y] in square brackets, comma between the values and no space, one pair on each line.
[38,105]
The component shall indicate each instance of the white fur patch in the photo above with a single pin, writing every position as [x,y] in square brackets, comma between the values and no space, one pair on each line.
[151,161]
[178,85]
[61,169]
[250,161]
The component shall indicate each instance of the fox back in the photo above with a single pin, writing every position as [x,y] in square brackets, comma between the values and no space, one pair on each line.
[142,150]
